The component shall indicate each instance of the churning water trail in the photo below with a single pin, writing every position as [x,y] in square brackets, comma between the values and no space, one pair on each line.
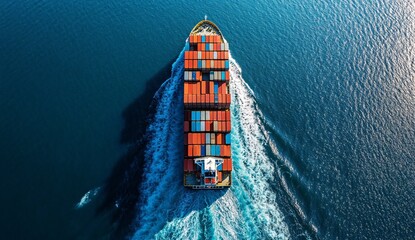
[88,197]
[248,210]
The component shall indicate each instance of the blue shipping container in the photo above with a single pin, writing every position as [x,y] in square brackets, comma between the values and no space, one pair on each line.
[212,150]
[228,138]
[203,150]
[203,38]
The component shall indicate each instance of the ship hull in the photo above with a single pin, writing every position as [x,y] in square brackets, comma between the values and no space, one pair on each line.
[207,118]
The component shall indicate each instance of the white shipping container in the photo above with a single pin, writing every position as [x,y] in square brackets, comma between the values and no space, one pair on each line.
[207,115]
[202,116]
[199,55]
[215,55]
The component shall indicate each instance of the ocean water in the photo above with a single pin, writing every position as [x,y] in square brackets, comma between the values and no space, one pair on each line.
[323,120]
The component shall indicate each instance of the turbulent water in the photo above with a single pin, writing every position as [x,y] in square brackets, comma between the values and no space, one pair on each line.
[248,210]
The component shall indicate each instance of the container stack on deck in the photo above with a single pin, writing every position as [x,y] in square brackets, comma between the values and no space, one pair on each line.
[207,120]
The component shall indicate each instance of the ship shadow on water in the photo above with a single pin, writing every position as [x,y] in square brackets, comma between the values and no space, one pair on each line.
[120,193]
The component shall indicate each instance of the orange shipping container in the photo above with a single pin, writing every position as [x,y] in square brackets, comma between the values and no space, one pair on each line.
[189,150]
[219,139]
[228,126]
[186,88]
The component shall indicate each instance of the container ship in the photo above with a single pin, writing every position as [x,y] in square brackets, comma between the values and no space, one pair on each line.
[207,117]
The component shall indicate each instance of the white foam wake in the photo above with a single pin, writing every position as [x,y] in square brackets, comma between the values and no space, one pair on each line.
[246,211]
[88,197]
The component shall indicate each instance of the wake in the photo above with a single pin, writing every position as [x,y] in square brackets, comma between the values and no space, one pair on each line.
[248,210]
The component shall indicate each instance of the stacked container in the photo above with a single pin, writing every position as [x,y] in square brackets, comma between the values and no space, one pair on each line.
[207,120]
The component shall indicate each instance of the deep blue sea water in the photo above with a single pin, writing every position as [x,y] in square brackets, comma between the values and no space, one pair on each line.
[323,120]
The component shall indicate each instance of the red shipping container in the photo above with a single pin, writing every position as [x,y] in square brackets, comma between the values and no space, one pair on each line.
[189,88]
[225,165]
[191,165]
[228,96]
[228,115]
[220,88]
[226,55]
[227,75]
[207,64]
[186,126]
[228,126]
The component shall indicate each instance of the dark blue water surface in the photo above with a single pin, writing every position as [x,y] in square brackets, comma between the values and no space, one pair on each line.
[334,83]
